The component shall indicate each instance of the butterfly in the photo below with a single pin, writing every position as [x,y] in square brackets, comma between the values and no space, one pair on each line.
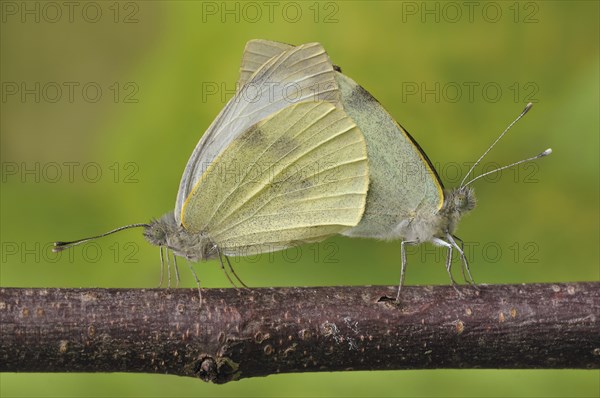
[406,200]
[281,165]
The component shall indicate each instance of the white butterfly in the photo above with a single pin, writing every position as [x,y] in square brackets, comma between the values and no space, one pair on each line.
[406,199]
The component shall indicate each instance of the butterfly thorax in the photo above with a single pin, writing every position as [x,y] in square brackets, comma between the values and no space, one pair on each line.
[166,232]
[425,226]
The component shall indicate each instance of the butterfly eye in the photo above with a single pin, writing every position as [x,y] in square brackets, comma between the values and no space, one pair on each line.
[156,233]
[459,200]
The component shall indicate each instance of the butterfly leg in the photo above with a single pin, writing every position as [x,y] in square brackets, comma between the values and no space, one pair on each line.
[449,265]
[465,262]
[447,245]
[403,267]
[168,270]
[233,272]
[197,281]
[462,268]
[177,279]
[220,255]
[162,267]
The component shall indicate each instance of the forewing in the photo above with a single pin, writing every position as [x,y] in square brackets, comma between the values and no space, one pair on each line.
[302,73]
[256,53]
[402,179]
[299,176]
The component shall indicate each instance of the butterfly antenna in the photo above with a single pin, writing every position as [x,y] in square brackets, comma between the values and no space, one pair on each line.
[527,108]
[60,246]
[541,155]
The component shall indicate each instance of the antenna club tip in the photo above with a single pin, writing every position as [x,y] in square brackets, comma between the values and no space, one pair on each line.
[60,246]
[528,107]
[546,152]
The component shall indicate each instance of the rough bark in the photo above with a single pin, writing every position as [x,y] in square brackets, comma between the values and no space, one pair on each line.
[246,333]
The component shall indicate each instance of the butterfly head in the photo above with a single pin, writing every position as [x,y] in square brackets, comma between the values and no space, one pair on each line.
[460,200]
[165,232]
[456,203]
[158,231]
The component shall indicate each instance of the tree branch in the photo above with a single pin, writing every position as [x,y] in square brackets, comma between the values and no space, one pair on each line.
[246,333]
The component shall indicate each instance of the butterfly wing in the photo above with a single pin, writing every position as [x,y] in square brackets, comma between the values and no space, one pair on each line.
[299,74]
[298,176]
[256,54]
[402,179]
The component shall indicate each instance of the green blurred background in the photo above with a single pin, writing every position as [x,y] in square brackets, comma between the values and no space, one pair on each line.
[158,66]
